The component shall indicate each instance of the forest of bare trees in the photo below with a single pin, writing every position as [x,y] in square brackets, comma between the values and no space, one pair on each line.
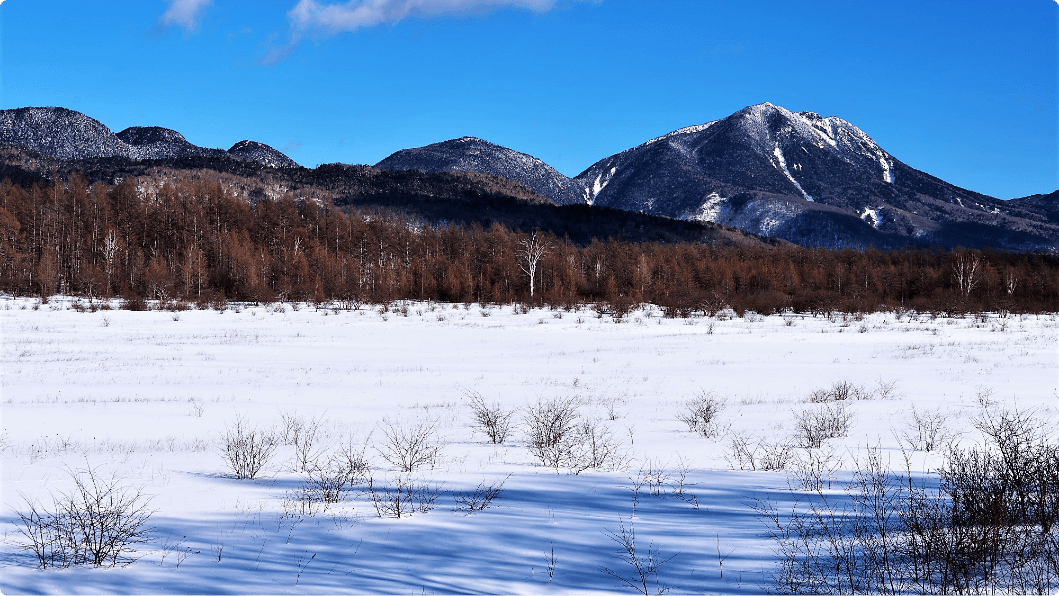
[198,241]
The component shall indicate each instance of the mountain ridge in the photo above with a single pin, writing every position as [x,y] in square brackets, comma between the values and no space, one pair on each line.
[799,176]
[70,135]
[795,176]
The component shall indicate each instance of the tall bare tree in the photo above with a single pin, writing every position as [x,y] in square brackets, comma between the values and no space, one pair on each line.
[530,252]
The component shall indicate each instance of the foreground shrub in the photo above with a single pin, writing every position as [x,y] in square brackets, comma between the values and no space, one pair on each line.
[247,449]
[985,523]
[700,414]
[98,523]
[558,437]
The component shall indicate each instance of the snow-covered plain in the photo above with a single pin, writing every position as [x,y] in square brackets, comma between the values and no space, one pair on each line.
[146,395]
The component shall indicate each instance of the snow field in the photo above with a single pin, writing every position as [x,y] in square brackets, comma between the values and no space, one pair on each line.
[147,395]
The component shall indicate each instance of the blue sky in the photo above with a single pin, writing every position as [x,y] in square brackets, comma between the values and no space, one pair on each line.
[964,90]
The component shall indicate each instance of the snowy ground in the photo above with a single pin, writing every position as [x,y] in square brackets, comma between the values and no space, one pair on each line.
[146,395]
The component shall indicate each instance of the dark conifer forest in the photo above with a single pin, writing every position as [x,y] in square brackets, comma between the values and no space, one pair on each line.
[181,241]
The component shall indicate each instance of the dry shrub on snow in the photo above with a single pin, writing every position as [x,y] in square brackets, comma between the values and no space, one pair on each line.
[99,523]
[816,425]
[493,419]
[247,449]
[558,436]
[700,414]
[987,522]
[409,446]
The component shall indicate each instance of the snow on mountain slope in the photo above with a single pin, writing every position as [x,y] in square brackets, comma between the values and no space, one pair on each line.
[804,178]
[69,135]
[471,154]
[261,153]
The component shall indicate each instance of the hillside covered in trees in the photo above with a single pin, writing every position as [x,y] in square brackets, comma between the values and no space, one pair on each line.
[202,240]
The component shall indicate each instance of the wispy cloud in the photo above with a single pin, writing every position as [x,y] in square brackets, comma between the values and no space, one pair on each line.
[183,13]
[313,16]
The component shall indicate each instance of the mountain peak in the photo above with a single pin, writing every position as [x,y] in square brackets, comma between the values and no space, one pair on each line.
[148,135]
[471,154]
[262,153]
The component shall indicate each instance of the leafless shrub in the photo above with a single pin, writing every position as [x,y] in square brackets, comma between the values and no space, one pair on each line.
[304,435]
[840,391]
[641,572]
[814,426]
[337,474]
[98,523]
[814,468]
[403,497]
[775,455]
[742,451]
[927,431]
[559,437]
[593,447]
[700,414]
[885,390]
[549,429]
[681,485]
[304,501]
[409,446]
[480,498]
[986,523]
[747,453]
[247,449]
[493,419]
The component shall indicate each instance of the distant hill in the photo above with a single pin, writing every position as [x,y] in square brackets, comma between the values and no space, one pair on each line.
[469,154]
[422,198]
[69,135]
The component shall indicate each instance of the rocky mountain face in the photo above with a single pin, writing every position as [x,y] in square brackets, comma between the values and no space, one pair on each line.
[808,179]
[68,135]
[1044,206]
[812,180]
[470,154]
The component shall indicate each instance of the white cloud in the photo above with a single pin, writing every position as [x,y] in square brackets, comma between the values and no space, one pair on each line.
[183,13]
[310,15]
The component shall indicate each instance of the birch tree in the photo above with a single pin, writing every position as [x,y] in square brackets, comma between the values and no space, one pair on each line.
[530,252]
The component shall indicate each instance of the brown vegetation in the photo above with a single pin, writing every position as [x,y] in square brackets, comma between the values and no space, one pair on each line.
[198,241]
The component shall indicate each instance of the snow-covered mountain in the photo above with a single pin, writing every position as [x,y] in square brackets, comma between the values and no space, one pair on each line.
[470,154]
[69,135]
[261,153]
[806,178]
[813,180]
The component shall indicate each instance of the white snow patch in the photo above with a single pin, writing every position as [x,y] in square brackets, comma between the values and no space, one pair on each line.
[872,214]
[682,131]
[783,165]
[888,175]
[711,209]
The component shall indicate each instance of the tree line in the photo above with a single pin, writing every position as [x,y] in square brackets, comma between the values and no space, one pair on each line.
[156,239]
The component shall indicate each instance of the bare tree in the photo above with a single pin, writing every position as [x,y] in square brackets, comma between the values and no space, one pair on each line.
[110,252]
[530,252]
[967,272]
